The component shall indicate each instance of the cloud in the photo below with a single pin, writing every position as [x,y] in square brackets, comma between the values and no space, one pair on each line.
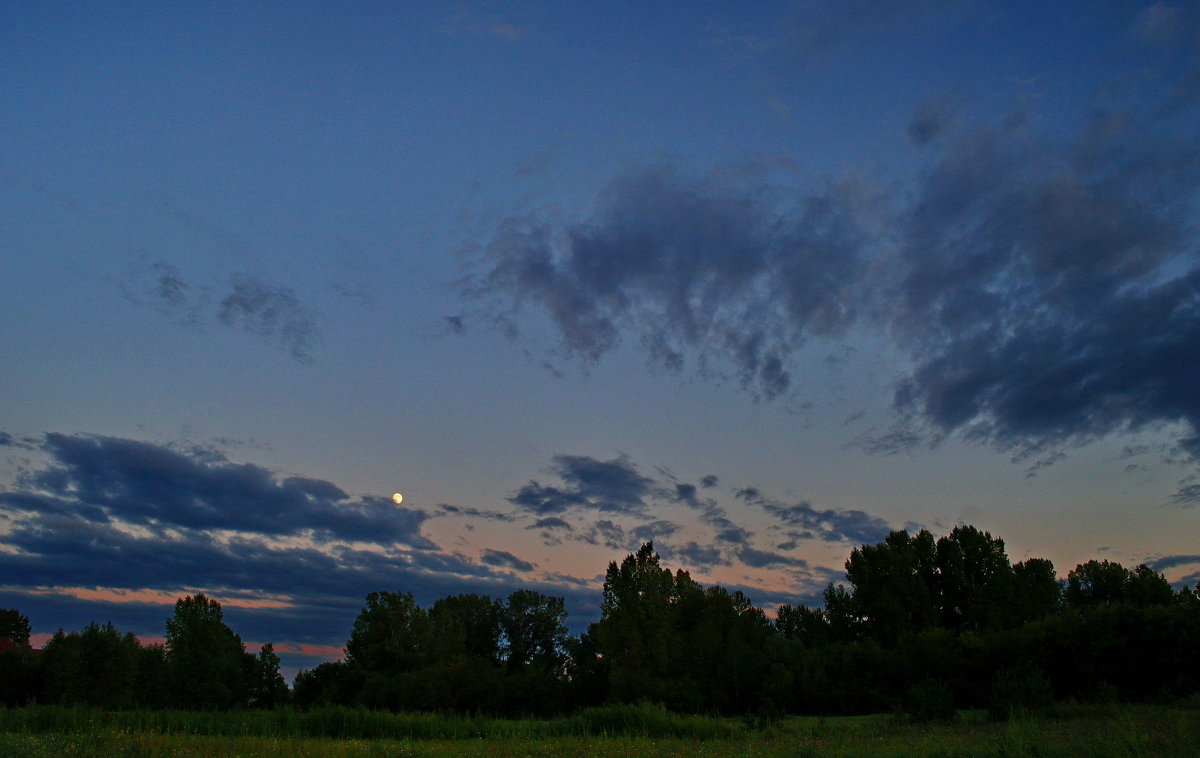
[614,486]
[828,525]
[480,513]
[1044,283]
[271,312]
[107,480]
[504,559]
[607,533]
[120,519]
[764,559]
[550,522]
[686,267]
[1172,561]
[693,555]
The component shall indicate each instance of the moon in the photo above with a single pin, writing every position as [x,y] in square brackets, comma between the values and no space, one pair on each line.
[397,498]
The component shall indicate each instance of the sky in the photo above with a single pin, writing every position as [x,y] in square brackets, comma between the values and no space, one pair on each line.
[759,282]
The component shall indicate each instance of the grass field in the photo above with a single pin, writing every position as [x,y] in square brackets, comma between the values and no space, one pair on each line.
[1099,732]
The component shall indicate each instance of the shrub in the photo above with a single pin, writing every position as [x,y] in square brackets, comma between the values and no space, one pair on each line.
[1019,692]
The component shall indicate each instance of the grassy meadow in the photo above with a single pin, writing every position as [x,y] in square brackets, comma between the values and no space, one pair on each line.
[1079,731]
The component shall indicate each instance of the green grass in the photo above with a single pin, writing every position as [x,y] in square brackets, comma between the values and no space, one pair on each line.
[1107,732]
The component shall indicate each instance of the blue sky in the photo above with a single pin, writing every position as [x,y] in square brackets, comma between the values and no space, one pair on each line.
[757,281]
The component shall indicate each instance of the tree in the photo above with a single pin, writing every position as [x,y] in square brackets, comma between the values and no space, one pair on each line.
[97,666]
[634,631]
[841,613]
[974,580]
[534,633]
[390,636]
[206,660]
[1037,591]
[14,626]
[267,686]
[329,683]
[806,625]
[1148,587]
[467,626]
[1096,583]
[894,585]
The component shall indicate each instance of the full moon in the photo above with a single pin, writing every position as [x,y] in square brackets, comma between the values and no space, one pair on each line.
[397,498]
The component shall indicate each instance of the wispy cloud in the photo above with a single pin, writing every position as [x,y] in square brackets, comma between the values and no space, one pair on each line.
[1045,284]
[806,522]
[273,313]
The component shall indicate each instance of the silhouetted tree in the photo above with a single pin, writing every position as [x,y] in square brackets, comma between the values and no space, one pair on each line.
[390,636]
[267,686]
[806,625]
[634,628]
[975,581]
[97,666]
[18,670]
[1037,592]
[466,626]
[842,614]
[14,626]
[1096,583]
[206,660]
[894,585]
[329,683]
[533,629]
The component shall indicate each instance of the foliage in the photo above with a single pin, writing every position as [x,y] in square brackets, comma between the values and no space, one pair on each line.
[1019,692]
[1101,733]
[929,700]
[926,626]
[14,626]
[96,666]
[207,664]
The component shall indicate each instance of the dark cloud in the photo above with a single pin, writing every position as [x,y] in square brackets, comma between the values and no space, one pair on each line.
[829,525]
[709,481]
[765,559]
[686,493]
[1172,561]
[479,513]
[614,486]
[550,522]
[105,480]
[1046,284]
[693,555]
[1187,496]
[606,532]
[273,313]
[504,559]
[616,537]
[686,267]
[654,531]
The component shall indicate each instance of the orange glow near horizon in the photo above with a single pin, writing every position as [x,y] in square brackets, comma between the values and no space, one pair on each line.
[162,597]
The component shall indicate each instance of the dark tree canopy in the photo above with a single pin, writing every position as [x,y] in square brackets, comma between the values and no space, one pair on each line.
[14,626]
[206,660]
[924,625]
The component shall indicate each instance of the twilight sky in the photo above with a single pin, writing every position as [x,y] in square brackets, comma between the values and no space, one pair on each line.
[758,281]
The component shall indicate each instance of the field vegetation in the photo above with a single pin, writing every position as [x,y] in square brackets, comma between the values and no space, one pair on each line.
[1109,731]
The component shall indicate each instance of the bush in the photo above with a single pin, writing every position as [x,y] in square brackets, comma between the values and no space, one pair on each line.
[929,700]
[1019,692]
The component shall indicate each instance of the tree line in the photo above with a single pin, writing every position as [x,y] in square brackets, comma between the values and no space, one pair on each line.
[924,625]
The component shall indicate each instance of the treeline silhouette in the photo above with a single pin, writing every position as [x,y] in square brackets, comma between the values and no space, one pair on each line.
[925,626]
